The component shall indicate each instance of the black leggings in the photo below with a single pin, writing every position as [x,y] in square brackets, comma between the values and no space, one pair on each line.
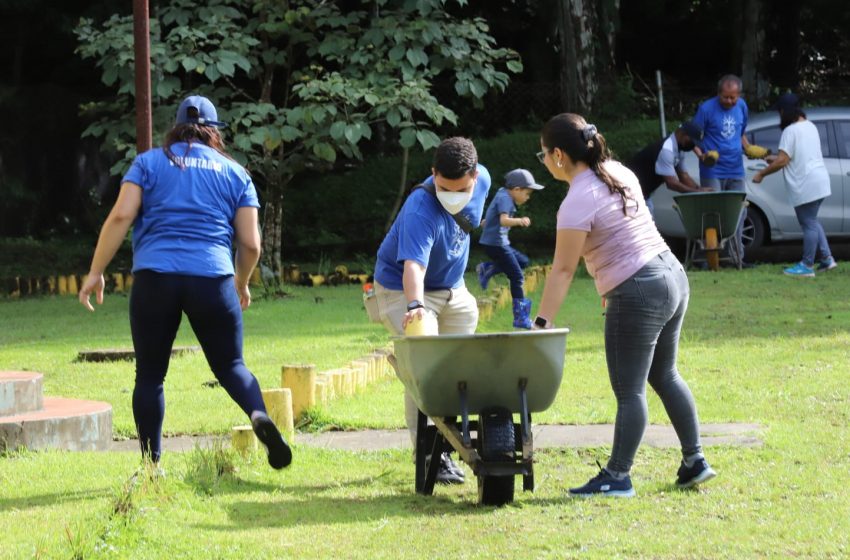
[157,302]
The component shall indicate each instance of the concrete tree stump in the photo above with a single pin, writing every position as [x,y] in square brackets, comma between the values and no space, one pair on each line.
[323,392]
[301,380]
[279,407]
[361,369]
[243,440]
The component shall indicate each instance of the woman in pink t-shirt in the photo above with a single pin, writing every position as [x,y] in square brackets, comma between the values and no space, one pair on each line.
[604,219]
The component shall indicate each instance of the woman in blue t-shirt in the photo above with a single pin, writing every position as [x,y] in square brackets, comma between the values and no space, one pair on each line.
[187,202]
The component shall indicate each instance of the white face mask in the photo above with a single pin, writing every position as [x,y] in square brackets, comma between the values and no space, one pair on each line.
[454,202]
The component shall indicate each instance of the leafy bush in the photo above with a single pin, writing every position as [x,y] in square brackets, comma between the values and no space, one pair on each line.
[346,212]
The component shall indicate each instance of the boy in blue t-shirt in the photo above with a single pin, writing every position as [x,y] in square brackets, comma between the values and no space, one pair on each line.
[499,218]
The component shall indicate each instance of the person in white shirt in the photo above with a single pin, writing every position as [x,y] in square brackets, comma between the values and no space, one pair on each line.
[806,180]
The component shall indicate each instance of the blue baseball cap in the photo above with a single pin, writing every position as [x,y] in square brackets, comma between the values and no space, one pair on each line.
[694,131]
[198,110]
[521,178]
[786,101]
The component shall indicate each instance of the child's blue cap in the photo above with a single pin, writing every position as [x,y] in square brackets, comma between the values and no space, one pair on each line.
[521,178]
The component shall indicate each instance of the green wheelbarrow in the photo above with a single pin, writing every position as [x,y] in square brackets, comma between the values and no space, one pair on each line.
[710,220]
[494,376]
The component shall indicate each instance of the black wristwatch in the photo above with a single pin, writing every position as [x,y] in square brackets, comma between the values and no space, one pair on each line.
[415,304]
[540,322]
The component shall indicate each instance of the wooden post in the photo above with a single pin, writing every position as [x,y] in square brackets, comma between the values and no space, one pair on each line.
[128,281]
[322,392]
[63,285]
[279,407]
[327,378]
[301,380]
[73,288]
[361,369]
[243,440]
[119,282]
[380,361]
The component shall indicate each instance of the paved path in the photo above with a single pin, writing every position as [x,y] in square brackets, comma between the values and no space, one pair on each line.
[744,435]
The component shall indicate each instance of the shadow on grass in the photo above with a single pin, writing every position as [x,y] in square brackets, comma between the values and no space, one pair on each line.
[47,500]
[366,499]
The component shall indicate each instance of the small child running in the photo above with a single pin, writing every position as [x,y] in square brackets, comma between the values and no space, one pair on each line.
[499,218]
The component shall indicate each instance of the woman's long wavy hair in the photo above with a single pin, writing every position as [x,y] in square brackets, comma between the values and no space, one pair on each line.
[193,132]
[580,141]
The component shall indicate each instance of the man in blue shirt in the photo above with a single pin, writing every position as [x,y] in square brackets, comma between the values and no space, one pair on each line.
[422,259]
[723,119]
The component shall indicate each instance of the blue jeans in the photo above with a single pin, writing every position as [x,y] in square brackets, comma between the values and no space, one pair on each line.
[643,320]
[157,304]
[508,260]
[814,238]
[724,185]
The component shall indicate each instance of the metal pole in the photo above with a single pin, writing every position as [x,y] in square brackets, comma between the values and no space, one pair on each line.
[142,51]
[661,104]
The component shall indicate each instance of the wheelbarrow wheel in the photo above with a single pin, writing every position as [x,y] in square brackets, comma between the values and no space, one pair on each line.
[712,251]
[497,441]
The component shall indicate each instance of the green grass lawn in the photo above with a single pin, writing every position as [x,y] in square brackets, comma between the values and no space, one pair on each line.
[756,347]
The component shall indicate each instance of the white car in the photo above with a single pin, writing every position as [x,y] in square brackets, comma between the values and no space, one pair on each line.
[770,217]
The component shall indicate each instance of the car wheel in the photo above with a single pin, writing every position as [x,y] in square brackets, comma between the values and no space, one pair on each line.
[754,230]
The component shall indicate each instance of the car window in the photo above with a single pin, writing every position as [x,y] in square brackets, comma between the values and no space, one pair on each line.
[769,137]
[844,137]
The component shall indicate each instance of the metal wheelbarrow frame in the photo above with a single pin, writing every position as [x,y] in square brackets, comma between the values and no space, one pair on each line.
[495,376]
[710,219]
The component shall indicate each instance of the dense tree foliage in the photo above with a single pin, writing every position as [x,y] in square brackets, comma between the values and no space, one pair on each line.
[301,82]
[54,183]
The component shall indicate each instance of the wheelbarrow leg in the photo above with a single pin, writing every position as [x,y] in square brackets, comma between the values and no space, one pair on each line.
[426,440]
[526,437]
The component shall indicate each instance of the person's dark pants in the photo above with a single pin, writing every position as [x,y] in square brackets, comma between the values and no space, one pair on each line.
[643,320]
[509,261]
[814,238]
[157,302]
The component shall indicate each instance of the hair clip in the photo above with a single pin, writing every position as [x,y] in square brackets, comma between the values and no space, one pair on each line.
[589,132]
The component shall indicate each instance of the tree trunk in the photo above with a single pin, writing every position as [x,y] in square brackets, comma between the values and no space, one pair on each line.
[401,188]
[587,31]
[752,40]
[272,225]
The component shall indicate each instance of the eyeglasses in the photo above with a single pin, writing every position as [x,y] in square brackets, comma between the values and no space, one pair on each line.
[541,155]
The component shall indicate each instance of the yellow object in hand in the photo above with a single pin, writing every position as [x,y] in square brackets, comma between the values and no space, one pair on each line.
[710,158]
[756,152]
[426,326]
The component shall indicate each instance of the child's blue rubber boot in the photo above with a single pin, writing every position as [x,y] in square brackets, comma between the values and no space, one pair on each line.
[522,310]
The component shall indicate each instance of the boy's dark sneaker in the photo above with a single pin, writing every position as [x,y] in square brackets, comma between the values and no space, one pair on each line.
[699,472]
[603,484]
[449,472]
[280,455]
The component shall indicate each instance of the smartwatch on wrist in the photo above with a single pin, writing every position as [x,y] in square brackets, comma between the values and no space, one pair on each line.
[415,304]
[541,322]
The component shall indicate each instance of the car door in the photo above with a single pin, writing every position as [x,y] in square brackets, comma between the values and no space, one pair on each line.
[831,214]
[842,133]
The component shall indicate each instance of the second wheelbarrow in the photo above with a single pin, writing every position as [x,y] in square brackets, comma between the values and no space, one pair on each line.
[710,219]
[493,376]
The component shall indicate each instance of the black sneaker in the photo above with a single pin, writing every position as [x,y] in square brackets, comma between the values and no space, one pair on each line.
[446,458]
[280,455]
[448,472]
[699,472]
[603,484]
